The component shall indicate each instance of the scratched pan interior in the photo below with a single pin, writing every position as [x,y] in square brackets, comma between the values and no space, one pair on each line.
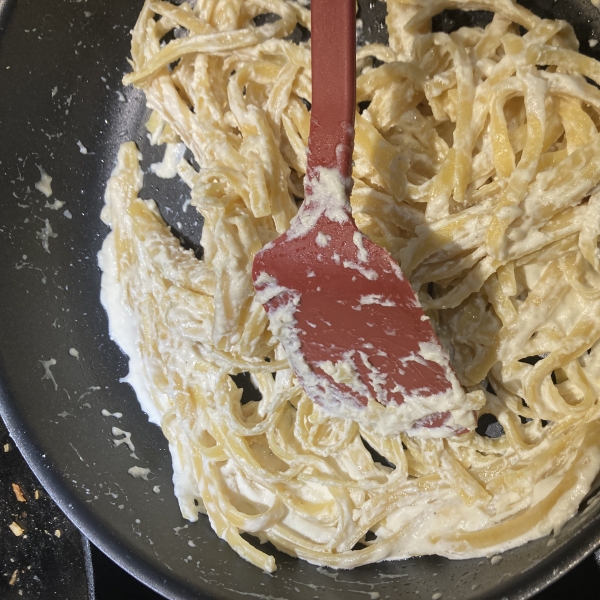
[60,67]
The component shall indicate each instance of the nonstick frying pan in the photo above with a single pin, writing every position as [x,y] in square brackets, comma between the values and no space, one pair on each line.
[63,109]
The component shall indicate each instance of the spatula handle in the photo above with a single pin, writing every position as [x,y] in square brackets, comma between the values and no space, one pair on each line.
[333,51]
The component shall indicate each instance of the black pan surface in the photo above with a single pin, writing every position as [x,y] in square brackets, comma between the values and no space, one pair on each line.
[61,63]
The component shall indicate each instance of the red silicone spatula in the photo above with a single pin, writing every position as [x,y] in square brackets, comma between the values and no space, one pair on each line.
[350,323]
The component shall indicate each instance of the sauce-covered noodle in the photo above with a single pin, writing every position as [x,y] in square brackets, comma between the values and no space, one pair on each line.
[477,164]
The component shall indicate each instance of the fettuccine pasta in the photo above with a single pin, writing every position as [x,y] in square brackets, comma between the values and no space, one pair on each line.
[476,164]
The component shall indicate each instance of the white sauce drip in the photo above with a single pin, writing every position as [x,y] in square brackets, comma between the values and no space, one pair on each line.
[47,372]
[358,239]
[45,234]
[167,169]
[139,473]
[126,439]
[106,413]
[376,299]
[369,274]
[55,205]
[322,239]
[327,197]
[44,184]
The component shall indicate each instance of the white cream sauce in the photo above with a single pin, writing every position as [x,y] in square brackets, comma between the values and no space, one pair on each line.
[45,234]
[44,184]
[123,328]
[126,439]
[167,169]
[139,472]
[47,364]
[57,204]
[116,415]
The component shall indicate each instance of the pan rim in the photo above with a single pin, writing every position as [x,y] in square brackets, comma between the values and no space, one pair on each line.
[537,578]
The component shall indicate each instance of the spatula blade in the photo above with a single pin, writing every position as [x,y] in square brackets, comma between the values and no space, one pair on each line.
[353,328]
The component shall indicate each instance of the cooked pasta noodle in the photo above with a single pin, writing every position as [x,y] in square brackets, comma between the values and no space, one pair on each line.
[476,164]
